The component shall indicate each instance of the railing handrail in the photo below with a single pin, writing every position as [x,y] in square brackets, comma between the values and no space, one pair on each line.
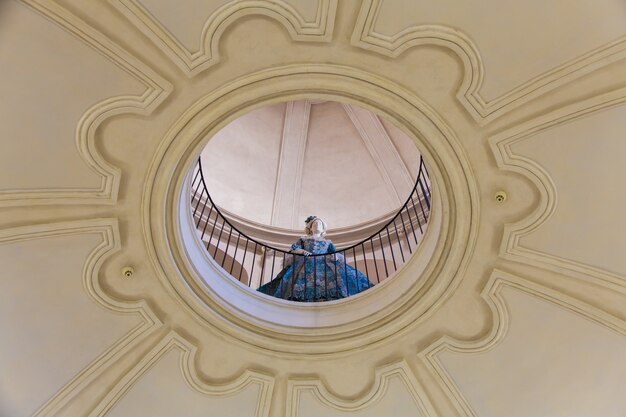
[275,249]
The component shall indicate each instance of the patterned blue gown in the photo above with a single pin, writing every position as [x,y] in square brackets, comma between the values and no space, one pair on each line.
[316,278]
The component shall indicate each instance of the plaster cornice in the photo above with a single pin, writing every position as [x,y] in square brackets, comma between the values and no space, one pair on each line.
[192,63]
[382,375]
[174,341]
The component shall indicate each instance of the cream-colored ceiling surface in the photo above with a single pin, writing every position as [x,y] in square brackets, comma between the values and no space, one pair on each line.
[79,79]
[533,37]
[186,23]
[72,329]
[149,395]
[531,319]
[562,343]
[395,394]
[588,208]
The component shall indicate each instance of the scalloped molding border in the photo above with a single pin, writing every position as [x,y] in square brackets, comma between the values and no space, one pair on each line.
[108,229]
[482,110]
[401,369]
[492,294]
[173,340]
[192,63]
[157,89]
[501,146]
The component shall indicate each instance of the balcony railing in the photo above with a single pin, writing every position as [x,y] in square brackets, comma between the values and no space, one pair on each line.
[254,263]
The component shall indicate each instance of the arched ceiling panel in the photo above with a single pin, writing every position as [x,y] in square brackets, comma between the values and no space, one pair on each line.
[161,390]
[53,327]
[544,365]
[45,96]
[183,21]
[517,41]
[588,198]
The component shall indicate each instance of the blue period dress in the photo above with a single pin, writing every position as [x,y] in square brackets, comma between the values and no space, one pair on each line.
[316,278]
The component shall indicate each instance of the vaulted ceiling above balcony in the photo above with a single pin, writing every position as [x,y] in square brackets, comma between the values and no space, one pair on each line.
[280,163]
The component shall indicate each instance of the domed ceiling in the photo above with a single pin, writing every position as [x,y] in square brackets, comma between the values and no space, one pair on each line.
[279,164]
[529,96]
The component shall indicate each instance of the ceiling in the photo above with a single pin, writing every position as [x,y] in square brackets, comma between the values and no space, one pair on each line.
[533,94]
[281,163]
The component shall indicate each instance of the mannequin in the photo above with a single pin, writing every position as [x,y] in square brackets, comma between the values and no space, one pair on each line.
[315,271]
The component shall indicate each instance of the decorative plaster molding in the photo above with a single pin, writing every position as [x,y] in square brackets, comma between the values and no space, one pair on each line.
[291,163]
[483,111]
[108,229]
[492,294]
[401,369]
[382,150]
[173,340]
[192,63]
[157,89]
[501,145]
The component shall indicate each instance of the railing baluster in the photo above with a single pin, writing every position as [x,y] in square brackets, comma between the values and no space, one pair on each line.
[201,214]
[234,254]
[406,235]
[282,287]
[345,272]
[314,278]
[252,269]
[417,216]
[243,261]
[264,257]
[273,262]
[213,230]
[419,200]
[393,257]
[325,277]
[197,173]
[206,223]
[227,246]
[295,276]
[219,239]
[367,274]
[398,239]
[336,277]
[423,167]
[358,287]
[198,202]
[306,261]
[382,249]
[375,263]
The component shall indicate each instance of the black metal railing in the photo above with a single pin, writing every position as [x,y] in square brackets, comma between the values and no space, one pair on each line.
[255,263]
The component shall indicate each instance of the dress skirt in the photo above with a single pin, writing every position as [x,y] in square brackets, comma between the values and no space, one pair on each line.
[319,277]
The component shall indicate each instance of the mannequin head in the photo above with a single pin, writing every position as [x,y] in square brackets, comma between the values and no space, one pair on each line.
[315,226]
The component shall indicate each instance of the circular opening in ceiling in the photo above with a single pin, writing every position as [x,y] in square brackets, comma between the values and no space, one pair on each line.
[196,279]
[310,200]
